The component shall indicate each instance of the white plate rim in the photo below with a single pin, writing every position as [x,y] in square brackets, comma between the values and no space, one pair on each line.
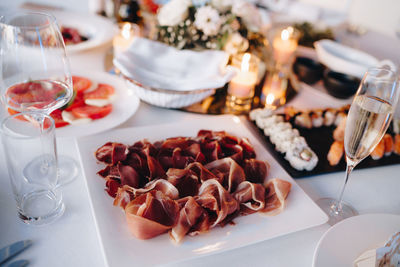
[349,221]
[322,218]
[125,105]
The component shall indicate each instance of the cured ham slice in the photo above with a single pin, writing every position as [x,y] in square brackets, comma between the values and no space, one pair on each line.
[248,149]
[256,170]
[276,192]
[179,152]
[112,186]
[141,157]
[213,197]
[119,175]
[151,214]
[112,153]
[189,215]
[202,173]
[109,170]
[212,151]
[128,175]
[185,180]
[250,196]
[154,167]
[231,172]
[103,154]
[127,193]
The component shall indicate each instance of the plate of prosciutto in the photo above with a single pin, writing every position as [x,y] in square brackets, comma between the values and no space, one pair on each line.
[82,31]
[188,189]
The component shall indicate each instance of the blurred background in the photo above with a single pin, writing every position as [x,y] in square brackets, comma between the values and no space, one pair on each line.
[382,16]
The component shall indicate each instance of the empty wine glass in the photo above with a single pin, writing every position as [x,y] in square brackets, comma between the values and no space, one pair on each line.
[368,119]
[34,70]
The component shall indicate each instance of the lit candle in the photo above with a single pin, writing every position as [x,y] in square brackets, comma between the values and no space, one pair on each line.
[242,85]
[285,44]
[274,90]
[241,88]
[125,38]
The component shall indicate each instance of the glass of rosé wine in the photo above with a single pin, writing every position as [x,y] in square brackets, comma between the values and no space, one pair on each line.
[367,121]
[34,72]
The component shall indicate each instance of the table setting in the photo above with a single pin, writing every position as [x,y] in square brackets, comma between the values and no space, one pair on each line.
[209,132]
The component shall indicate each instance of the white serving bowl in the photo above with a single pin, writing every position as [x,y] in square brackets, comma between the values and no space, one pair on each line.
[167,98]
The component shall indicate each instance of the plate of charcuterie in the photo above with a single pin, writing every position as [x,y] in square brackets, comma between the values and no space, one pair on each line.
[110,163]
[83,31]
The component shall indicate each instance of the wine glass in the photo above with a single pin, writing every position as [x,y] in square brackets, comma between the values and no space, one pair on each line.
[34,70]
[368,119]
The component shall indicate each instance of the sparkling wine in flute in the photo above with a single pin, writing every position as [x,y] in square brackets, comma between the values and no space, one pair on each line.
[368,119]
[367,122]
[39,95]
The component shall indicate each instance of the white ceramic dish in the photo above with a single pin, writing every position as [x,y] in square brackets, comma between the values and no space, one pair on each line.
[97,29]
[344,59]
[125,105]
[348,239]
[122,249]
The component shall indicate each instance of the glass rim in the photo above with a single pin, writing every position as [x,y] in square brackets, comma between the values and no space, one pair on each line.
[22,13]
[372,70]
[5,130]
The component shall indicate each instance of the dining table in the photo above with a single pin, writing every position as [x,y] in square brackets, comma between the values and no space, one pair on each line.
[73,240]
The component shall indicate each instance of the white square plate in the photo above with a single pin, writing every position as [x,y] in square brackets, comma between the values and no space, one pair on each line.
[122,249]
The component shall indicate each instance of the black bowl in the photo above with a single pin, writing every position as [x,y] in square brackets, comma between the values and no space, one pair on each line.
[340,85]
[308,70]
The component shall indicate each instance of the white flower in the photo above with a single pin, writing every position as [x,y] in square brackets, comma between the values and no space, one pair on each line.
[235,44]
[173,12]
[207,20]
[222,5]
[249,14]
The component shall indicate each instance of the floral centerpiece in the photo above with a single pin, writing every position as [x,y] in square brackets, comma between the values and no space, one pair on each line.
[230,25]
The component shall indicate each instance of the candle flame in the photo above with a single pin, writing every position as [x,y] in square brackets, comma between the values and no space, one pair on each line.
[285,35]
[270,99]
[126,30]
[245,62]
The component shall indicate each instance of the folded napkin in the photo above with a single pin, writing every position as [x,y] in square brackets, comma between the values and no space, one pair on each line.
[386,256]
[161,66]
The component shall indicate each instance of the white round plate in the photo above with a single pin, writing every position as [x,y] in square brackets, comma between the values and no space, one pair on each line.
[97,29]
[348,239]
[125,105]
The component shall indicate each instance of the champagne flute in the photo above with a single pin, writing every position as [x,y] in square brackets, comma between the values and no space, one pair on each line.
[368,119]
[34,70]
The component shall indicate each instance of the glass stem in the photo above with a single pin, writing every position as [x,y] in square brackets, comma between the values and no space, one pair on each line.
[337,206]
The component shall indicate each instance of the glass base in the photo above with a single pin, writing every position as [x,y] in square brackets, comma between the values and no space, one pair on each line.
[238,105]
[40,207]
[68,169]
[336,214]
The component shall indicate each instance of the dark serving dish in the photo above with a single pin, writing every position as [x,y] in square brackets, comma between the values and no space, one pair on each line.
[308,70]
[320,140]
[340,85]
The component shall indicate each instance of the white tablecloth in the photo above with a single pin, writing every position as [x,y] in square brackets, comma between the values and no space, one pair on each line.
[73,240]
